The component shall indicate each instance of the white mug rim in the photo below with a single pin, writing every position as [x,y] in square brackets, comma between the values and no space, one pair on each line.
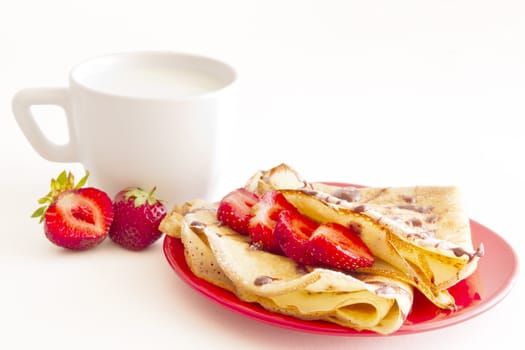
[75,81]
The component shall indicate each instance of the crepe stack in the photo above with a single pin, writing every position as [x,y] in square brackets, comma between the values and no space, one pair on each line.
[419,236]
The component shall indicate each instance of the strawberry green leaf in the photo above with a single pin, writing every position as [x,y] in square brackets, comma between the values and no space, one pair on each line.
[45,200]
[151,199]
[55,185]
[70,182]
[39,213]
[82,181]
[62,179]
[140,200]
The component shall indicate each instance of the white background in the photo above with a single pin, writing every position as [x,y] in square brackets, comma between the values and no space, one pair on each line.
[372,92]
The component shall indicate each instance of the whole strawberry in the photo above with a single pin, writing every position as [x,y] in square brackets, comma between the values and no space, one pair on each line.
[74,217]
[137,218]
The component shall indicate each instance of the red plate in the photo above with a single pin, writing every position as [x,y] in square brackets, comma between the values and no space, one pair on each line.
[494,278]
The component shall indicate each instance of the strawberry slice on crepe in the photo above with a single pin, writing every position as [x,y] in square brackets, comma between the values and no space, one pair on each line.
[337,246]
[264,219]
[235,209]
[293,232]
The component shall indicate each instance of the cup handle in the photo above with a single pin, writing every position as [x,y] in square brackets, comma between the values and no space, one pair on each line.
[49,150]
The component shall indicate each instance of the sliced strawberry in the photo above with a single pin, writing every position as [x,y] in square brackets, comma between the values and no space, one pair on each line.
[337,246]
[265,215]
[235,209]
[79,219]
[74,217]
[293,232]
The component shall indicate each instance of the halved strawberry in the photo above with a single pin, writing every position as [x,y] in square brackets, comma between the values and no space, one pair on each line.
[293,232]
[234,209]
[265,215]
[337,246]
[74,217]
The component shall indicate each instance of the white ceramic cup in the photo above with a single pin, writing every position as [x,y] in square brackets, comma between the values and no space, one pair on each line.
[139,119]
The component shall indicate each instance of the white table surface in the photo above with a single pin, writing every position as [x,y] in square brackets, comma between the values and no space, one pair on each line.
[378,93]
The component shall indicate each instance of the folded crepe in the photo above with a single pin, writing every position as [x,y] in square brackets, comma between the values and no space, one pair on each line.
[422,232]
[227,259]
[420,237]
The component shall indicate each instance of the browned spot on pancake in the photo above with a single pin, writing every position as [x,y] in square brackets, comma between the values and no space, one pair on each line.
[355,227]
[349,194]
[408,199]
[432,219]
[417,208]
[414,222]
[360,208]
[262,280]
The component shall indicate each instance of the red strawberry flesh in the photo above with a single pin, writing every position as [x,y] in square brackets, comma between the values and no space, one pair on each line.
[337,246]
[265,215]
[293,232]
[234,209]
[83,213]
